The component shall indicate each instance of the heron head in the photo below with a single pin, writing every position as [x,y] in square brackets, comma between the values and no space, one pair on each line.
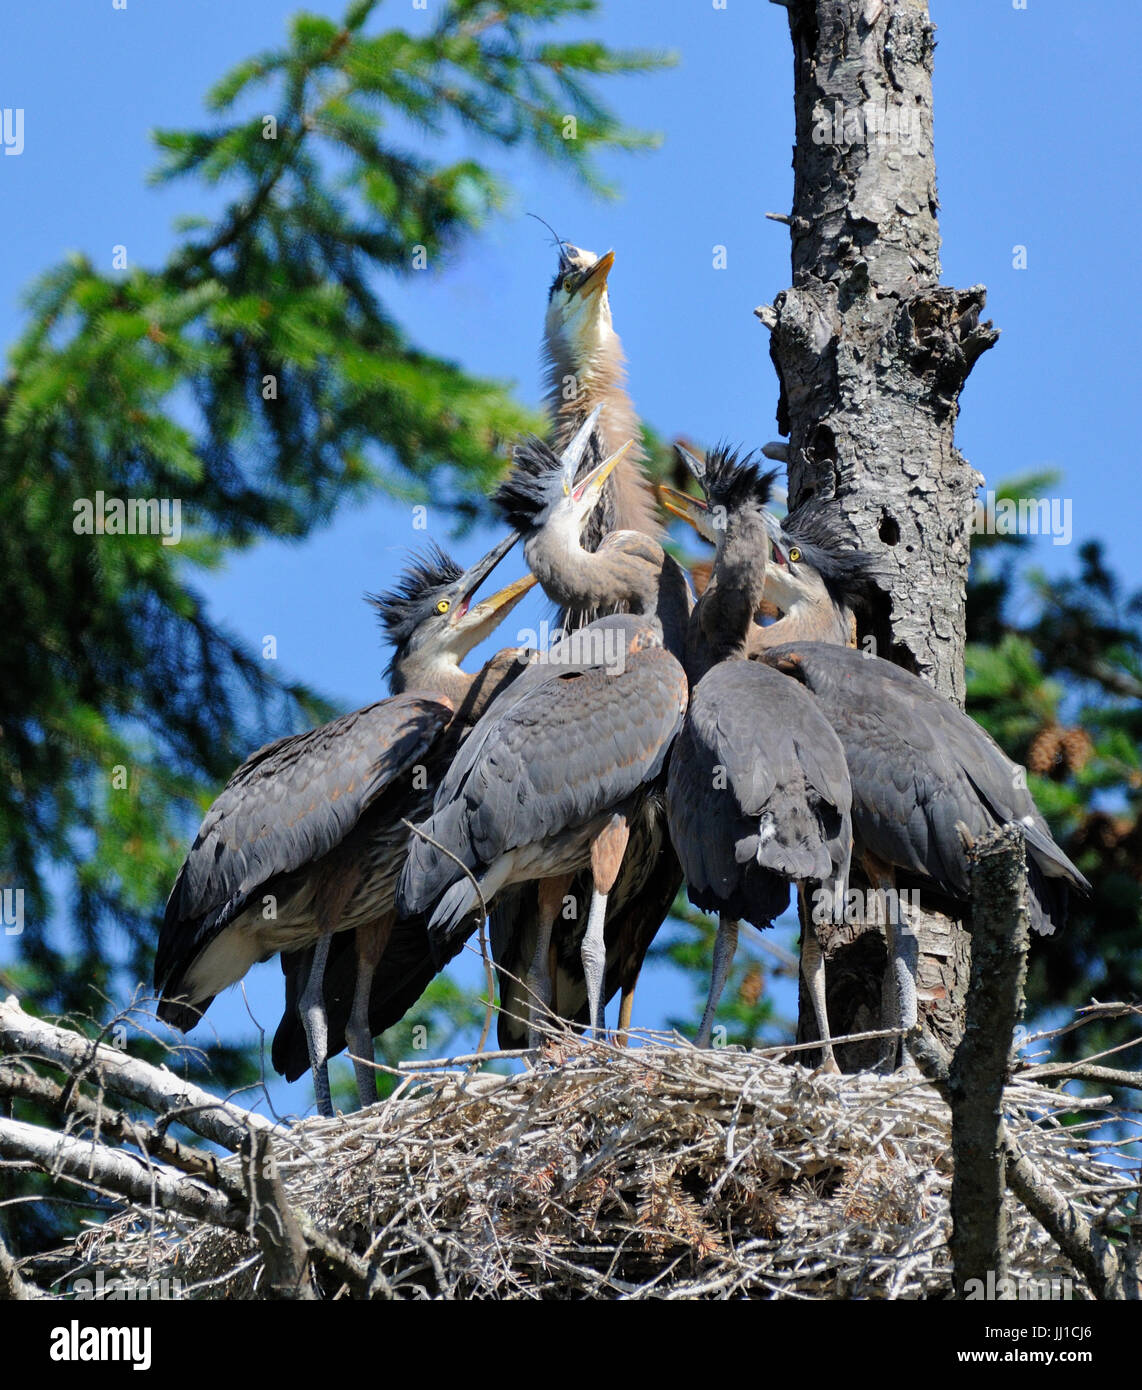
[737,494]
[429,616]
[812,560]
[578,321]
[545,489]
[691,509]
[806,558]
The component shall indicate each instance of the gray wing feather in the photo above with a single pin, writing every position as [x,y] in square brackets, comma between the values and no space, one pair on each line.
[559,748]
[287,805]
[919,765]
[758,794]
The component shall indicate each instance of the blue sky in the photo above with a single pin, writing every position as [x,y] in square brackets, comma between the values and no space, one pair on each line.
[1036,145]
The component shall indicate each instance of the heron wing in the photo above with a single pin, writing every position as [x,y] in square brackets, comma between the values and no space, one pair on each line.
[560,747]
[758,794]
[287,805]
[920,767]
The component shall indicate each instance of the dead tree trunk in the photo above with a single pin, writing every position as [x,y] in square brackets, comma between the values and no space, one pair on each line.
[871,355]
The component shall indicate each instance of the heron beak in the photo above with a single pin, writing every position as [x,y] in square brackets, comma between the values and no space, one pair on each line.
[585,494]
[595,280]
[691,509]
[696,465]
[777,547]
[472,578]
[573,454]
[477,622]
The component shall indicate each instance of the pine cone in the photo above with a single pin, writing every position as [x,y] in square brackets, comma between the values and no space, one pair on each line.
[1077,748]
[1046,748]
[751,986]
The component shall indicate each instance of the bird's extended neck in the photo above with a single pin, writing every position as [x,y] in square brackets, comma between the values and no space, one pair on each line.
[577,383]
[720,626]
[629,572]
[723,626]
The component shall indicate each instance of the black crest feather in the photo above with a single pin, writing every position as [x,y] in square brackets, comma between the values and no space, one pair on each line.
[405,606]
[733,479]
[818,529]
[535,481]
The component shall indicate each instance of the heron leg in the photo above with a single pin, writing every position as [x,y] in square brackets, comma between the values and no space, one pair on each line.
[311,1006]
[607,852]
[725,944]
[541,976]
[813,972]
[899,975]
[626,1004]
[898,995]
[371,942]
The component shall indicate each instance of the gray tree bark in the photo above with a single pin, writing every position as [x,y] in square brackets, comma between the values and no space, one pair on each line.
[871,354]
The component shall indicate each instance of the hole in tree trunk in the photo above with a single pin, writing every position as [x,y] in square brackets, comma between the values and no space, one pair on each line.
[889,529]
[824,445]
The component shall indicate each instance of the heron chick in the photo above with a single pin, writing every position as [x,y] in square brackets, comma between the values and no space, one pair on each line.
[313,824]
[585,369]
[553,778]
[921,769]
[758,793]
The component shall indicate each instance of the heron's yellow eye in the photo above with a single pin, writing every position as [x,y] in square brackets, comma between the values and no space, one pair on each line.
[794,554]
[443,606]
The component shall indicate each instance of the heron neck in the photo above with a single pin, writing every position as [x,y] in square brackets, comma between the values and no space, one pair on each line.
[438,673]
[575,387]
[625,572]
[719,627]
[824,621]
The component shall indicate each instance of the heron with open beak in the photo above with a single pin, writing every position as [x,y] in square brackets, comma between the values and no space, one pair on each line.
[563,776]
[924,774]
[314,824]
[585,369]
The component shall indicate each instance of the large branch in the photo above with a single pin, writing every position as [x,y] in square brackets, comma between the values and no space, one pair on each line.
[871,353]
[156,1088]
[276,1227]
[1091,1254]
[118,1172]
[253,1202]
[20,1083]
[986,1156]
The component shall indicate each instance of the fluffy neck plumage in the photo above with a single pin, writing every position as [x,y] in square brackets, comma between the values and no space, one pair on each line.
[576,383]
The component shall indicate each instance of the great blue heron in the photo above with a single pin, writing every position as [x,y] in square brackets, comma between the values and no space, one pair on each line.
[815,579]
[920,768]
[586,379]
[585,369]
[758,793]
[560,768]
[585,376]
[307,837]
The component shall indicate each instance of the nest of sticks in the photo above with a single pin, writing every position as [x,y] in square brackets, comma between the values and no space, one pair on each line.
[654,1171]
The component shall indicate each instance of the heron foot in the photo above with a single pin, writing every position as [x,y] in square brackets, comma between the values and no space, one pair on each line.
[813,973]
